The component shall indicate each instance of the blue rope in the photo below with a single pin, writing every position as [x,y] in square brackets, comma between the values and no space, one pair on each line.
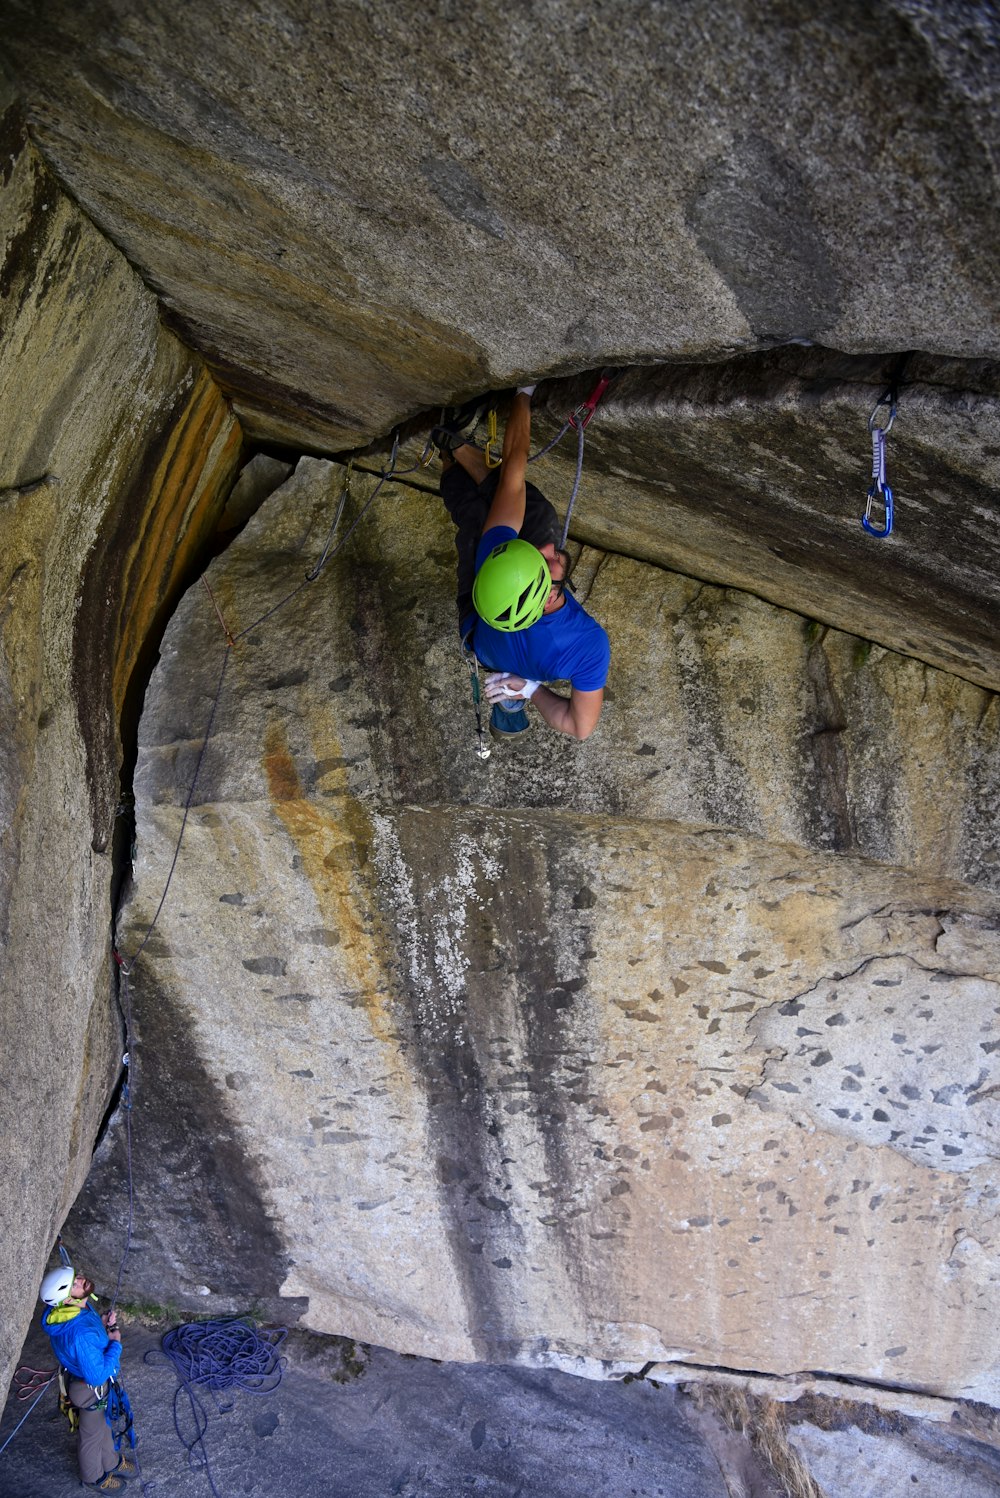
[118,1415]
[550,445]
[214,1356]
[576,485]
[227,1354]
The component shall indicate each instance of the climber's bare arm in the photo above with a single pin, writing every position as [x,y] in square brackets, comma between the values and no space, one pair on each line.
[576,715]
[511,496]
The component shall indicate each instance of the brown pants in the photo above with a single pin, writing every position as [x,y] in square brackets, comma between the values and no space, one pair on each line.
[97,1454]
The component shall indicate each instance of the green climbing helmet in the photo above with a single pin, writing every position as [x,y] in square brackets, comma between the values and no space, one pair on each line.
[512,586]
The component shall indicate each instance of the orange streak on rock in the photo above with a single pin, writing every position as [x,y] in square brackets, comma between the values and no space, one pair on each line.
[185,498]
[334,849]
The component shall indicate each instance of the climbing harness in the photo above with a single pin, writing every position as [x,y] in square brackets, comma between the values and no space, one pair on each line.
[66,1405]
[579,418]
[492,452]
[880,494]
[213,1356]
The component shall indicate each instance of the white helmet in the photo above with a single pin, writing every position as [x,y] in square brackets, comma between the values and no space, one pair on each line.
[57,1284]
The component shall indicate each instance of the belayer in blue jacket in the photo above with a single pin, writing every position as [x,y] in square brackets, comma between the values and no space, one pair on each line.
[89,1347]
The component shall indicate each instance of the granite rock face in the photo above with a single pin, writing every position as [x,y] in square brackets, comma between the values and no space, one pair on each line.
[356,216]
[599,1054]
[754,474]
[524,1061]
[117,453]
[355,213]
[895,1464]
[720,707]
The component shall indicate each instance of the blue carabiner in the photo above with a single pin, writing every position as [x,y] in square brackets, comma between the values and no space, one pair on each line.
[875,493]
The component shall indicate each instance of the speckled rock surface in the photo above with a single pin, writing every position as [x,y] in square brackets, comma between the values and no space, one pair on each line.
[523,1061]
[387,1425]
[116,450]
[355,213]
[354,216]
[853,1463]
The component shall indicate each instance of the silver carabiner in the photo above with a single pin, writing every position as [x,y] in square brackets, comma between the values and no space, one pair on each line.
[883,400]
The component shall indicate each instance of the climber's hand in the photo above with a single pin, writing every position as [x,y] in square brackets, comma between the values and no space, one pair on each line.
[504,685]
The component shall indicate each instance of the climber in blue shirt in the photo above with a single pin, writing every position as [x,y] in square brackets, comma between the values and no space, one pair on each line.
[526,629]
[89,1348]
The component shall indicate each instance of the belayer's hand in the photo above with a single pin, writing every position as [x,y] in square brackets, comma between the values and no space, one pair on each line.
[503,685]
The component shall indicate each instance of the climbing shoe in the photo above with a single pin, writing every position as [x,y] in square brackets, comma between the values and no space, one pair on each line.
[506,723]
[109,1483]
[125,1469]
[459,426]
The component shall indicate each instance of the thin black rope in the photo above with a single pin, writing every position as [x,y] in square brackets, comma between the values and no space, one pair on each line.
[327,557]
[345,492]
[556,439]
[127,1099]
[128,966]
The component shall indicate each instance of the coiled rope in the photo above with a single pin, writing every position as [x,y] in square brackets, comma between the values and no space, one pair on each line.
[213,1356]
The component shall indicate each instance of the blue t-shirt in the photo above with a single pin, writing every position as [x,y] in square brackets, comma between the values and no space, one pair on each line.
[566,645]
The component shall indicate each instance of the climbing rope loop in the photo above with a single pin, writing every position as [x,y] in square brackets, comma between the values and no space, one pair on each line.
[213,1357]
[28,1382]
